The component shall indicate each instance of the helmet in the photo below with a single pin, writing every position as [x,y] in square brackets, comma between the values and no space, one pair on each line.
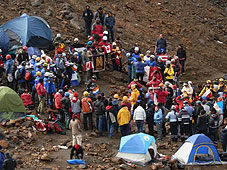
[105,32]
[148,52]
[34,56]
[185,84]
[114,43]
[60,91]
[76,53]
[58,35]
[47,74]
[125,98]
[76,39]
[75,94]
[173,107]
[25,48]
[168,62]
[208,82]
[45,65]
[116,96]
[94,77]
[89,43]
[190,82]
[48,60]
[38,73]
[128,55]
[161,85]
[86,94]
[66,94]
[0,50]
[37,59]
[104,38]
[221,80]
[8,57]
[136,49]
[172,60]
[141,55]
[63,55]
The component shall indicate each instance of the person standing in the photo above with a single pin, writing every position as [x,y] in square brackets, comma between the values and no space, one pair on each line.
[88,16]
[99,14]
[111,116]
[65,106]
[158,121]
[99,109]
[139,117]
[109,22]
[76,130]
[41,91]
[223,137]
[184,120]
[76,105]
[8,65]
[161,45]
[58,105]
[181,53]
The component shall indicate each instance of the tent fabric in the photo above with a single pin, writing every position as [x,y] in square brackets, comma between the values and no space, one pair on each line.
[14,39]
[10,100]
[28,27]
[4,41]
[136,143]
[196,147]
[33,51]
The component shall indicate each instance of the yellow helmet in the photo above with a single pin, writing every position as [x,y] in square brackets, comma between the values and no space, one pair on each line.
[116,96]
[221,80]
[161,85]
[37,59]
[141,55]
[133,86]
[86,94]
[208,81]
[38,73]
[125,98]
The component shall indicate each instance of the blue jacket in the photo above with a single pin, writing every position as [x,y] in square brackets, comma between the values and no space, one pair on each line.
[189,109]
[139,66]
[33,77]
[151,63]
[24,72]
[158,116]
[2,158]
[36,81]
[49,85]
[9,64]
[109,21]
[136,55]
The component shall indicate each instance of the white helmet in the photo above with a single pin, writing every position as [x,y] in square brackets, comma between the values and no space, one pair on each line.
[104,38]
[34,56]
[168,62]
[0,50]
[136,49]
[47,74]
[58,35]
[114,43]
[76,39]
[76,53]
[63,55]
[148,52]
[105,32]
[128,55]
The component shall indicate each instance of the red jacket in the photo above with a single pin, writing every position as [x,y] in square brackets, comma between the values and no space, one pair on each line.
[107,48]
[26,98]
[158,75]
[57,100]
[154,83]
[162,96]
[41,91]
[97,29]
[135,82]
[180,101]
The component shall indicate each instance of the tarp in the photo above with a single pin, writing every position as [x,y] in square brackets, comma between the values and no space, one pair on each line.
[10,101]
[4,41]
[32,31]
[33,51]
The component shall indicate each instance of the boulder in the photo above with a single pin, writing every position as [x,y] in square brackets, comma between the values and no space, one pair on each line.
[36,3]
[45,157]
[4,144]
[117,160]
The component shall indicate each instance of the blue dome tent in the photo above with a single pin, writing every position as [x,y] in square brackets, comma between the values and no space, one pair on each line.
[4,41]
[32,31]
[198,150]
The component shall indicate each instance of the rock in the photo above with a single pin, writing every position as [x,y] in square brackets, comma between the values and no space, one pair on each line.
[45,157]
[4,144]
[82,166]
[36,3]
[93,134]
[27,123]
[68,167]
[202,41]
[117,160]
[69,16]
[69,144]
[49,12]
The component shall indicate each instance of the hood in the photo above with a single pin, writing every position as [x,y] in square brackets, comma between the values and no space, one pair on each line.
[74,99]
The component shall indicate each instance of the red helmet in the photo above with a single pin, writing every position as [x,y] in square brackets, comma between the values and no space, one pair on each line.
[25,48]
[8,57]
[91,39]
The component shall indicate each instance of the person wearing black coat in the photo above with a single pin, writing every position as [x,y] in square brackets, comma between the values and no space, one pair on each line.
[9,163]
[202,123]
[65,107]
[111,116]
[181,53]
[223,137]
[88,16]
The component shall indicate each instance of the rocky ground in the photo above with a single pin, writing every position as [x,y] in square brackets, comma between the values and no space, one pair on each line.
[199,24]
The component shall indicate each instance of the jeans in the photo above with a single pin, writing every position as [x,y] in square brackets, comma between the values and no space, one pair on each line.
[124,130]
[182,64]
[139,124]
[89,117]
[173,131]
[110,129]
[159,130]
[110,33]
[99,123]
[88,28]
[129,74]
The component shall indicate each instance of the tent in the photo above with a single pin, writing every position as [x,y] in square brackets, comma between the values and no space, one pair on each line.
[4,41]
[135,147]
[11,105]
[31,31]
[197,150]
[34,51]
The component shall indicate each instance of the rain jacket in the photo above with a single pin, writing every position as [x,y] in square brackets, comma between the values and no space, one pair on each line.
[134,95]
[8,65]
[139,114]
[50,86]
[41,91]
[158,116]
[57,100]
[169,72]
[75,105]
[139,66]
[123,116]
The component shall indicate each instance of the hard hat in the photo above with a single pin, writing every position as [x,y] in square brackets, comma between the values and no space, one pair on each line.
[89,42]
[190,82]
[221,80]
[94,77]
[8,57]
[86,94]
[34,56]
[76,39]
[148,52]
[125,98]
[37,59]
[167,83]
[133,86]
[58,35]
[185,84]
[128,55]
[75,94]
[38,73]
[136,49]
[161,85]
[172,60]
[116,96]
[114,43]
[47,74]
[208,82]
[60,91]
[141,55]
[173,107]
[45,65]
[66,94]
[105,32]
[25,48]
[104,38]
[76,53]
[168,62]
[63,55]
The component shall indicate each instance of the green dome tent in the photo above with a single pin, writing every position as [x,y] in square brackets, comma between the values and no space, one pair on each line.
[11,105]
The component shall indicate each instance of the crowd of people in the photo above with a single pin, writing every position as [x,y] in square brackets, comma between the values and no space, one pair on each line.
[153,102]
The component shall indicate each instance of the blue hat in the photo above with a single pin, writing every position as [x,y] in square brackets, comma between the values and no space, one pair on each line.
[66,94]
[89,43]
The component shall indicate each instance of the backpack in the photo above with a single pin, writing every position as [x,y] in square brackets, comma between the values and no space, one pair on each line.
[59,127]
[27,76]
[86,106]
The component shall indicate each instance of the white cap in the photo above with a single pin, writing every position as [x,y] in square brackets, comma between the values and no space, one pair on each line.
[114,43]
[63,54]
[58,35]
[168,62]
[105,32]
[136,49]
[34,56]
[152,56]
[148,52]
[172,60]
[76,39]
[189,82]
[128,55]
[47,74]
[104,38]
[76,53]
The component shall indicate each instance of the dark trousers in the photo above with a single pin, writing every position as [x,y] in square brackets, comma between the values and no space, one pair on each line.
[184,131]
[182,62]
[173,131]
[89,117]
[88,28]
[139,76]
[124,130]
[129,74]
[110,34]
[61,115]
[150,123]
[139,124]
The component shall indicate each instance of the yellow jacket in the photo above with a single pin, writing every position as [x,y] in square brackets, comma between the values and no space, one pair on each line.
[123,116]
[222,88]
[134,95]
[170,72]
[205,89]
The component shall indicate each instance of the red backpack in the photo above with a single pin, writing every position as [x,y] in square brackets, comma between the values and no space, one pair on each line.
[27,76]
